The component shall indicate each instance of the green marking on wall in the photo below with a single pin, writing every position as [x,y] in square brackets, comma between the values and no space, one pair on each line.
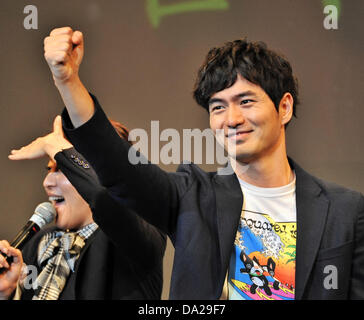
[157,11]
[336,3]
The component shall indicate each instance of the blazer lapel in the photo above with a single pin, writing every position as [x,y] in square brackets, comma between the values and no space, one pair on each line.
[312,207]
[229,202]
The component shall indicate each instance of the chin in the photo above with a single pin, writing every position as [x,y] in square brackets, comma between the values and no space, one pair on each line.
[245,158]
[62,226]
[241,155]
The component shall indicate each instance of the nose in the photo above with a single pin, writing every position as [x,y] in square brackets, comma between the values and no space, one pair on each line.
[50,180]
[235,116]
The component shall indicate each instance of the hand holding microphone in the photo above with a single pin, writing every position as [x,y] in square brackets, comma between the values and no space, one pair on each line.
[9,279]
[11,260]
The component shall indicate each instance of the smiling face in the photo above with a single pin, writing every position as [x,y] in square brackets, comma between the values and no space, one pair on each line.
[251,126]
[72,211]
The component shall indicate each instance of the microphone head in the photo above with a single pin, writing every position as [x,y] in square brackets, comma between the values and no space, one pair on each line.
[44,213]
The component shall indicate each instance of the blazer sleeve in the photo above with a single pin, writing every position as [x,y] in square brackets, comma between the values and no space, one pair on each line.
[152,192]
[129,232]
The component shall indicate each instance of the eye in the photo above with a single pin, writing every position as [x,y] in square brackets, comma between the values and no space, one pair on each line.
[246,101]
[216,108]
[51,169]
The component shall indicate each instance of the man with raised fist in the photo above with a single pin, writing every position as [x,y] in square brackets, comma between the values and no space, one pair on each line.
[267,231]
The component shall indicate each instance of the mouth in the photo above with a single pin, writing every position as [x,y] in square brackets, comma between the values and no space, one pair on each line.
[56,200]
[238,134]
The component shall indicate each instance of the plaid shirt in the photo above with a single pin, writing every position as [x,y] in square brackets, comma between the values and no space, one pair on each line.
[53,271]
[48,238]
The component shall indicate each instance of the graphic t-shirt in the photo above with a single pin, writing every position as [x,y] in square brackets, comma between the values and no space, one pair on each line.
[263,262]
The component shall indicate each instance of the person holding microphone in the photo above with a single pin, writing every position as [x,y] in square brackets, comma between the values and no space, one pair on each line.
[81,257]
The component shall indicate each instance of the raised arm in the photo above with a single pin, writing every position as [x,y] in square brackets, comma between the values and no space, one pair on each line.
[48,145]
[63,51]
[129,232]
[123,226]
[151,192]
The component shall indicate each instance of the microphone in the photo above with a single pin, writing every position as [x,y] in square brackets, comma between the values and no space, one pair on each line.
[44,213]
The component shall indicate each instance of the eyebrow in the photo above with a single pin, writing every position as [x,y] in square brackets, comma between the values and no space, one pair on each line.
[236,97]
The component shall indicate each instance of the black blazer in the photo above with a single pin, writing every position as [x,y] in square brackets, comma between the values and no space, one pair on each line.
[102,272]
[200,212]
[122,262]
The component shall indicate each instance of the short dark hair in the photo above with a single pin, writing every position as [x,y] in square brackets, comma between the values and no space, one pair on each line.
[254,62]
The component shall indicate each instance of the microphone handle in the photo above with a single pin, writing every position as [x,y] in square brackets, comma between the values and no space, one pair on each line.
[21,239]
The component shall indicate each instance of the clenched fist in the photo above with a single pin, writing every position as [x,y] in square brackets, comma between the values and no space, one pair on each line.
[63,51]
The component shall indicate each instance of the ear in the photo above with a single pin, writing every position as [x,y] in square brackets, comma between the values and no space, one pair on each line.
[286,108]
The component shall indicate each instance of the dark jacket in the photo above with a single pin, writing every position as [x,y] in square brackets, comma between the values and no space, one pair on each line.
[122,262]
[200,212]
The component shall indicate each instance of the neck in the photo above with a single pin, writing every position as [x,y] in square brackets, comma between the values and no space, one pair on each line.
[270,170]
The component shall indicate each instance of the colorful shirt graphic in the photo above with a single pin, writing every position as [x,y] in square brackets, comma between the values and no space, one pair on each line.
[262,266]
